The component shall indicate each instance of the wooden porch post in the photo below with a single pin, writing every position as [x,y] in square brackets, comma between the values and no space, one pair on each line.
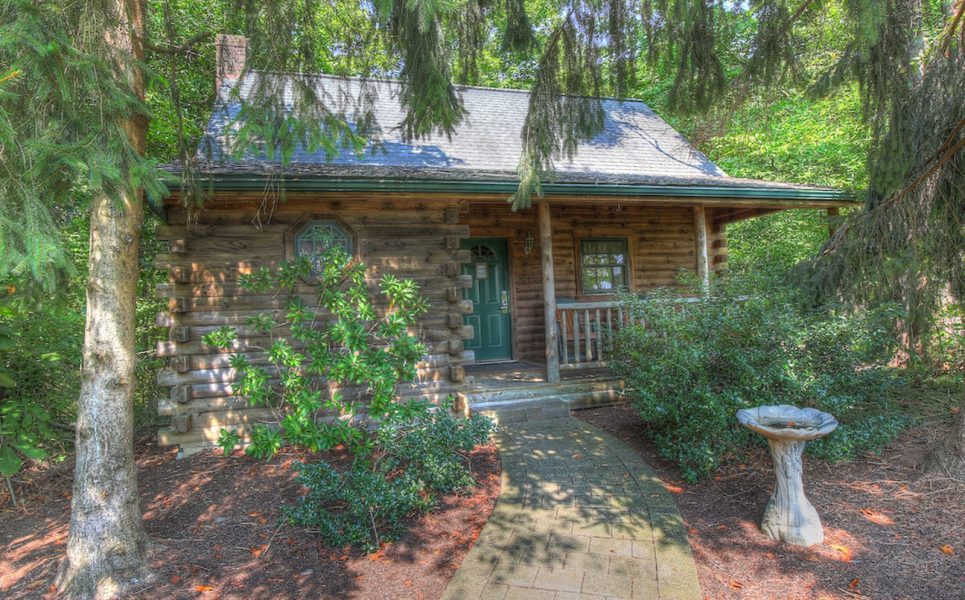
[833,214]
[703,251]
[549,292]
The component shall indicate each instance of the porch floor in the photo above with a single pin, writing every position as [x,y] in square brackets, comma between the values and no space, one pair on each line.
[518,391]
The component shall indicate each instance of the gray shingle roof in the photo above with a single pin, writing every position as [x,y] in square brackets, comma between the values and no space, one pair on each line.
[636,147]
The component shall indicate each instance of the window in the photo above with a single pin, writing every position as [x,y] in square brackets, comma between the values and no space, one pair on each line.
[603,265]
[318,237]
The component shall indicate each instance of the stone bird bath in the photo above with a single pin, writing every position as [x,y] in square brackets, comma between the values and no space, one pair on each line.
[789,516]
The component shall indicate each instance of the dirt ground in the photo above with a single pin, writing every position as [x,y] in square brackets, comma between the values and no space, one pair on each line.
[215,522]
[889,533]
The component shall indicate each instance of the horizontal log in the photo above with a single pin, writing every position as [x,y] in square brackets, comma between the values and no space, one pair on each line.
[434,382]
[426,284]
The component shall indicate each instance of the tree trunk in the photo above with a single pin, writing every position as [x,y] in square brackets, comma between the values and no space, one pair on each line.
[107,548]
[949,456]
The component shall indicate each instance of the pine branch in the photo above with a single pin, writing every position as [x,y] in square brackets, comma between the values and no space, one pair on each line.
[945,153]
[740,86]
[179,49]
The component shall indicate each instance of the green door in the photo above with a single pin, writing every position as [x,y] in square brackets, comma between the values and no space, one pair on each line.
[490,298]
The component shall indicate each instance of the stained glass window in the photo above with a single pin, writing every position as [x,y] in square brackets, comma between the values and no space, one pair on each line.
[318,237]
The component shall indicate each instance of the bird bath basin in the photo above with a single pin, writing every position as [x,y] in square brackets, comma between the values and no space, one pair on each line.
[789,516]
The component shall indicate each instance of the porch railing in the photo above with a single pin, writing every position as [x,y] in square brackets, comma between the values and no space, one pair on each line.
[586,331]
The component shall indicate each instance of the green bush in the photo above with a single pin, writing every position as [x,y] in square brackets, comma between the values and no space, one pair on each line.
[41,341]
[691,365]
[344,342]
[413,461]
[404,453]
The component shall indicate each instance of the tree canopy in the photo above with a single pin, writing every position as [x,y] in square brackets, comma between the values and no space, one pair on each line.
[95,94]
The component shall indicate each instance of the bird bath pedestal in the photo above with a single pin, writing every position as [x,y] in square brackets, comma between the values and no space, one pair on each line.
[789,516]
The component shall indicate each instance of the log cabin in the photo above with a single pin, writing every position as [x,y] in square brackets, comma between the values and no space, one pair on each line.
[521,301]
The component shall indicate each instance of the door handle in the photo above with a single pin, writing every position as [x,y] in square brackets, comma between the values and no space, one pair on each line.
[504,302]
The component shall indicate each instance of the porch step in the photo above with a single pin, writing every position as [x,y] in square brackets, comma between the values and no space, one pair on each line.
[520,402]
[514,391]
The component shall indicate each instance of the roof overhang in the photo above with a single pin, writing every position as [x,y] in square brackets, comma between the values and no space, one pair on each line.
[690,194]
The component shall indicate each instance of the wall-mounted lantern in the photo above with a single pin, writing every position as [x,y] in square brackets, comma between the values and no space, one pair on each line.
[528,243]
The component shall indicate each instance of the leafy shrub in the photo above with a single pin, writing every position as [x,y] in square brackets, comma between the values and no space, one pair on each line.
[863,434]
[413,461]
[691,365]
[342,343]
[405,453]
[43,366]
[41,341]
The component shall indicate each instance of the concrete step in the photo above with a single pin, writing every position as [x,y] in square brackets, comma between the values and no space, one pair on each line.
[544,401]
[590,400]
[514,392]
[544,408]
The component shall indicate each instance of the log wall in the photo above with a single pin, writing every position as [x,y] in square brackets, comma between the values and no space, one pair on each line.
[661,241]
[236,234]
[410,236]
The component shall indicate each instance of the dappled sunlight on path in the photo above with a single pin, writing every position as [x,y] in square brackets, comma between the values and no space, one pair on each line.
[580,515]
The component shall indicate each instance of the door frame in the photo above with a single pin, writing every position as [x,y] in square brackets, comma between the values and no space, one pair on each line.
[508,235]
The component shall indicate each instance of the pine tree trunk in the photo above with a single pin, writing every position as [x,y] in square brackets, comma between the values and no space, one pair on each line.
[949,456]
[107,548]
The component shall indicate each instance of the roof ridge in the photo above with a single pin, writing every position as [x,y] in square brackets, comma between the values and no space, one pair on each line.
[463,86]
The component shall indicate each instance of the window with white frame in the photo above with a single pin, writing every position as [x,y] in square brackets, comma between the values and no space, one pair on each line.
[603,265]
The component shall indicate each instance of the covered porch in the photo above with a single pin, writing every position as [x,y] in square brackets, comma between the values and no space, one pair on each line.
[552,346]
[541,283]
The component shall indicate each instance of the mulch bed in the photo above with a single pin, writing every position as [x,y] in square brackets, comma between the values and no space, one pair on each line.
[215,522]
[885,525]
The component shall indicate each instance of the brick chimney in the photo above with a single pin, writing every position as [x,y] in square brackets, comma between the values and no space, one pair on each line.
[231,52]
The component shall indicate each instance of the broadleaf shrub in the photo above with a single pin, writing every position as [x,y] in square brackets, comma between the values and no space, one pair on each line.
[690,364]
[413,460]
[333,381]
[344,342]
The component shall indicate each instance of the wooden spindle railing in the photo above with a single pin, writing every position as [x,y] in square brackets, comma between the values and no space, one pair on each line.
[586,330]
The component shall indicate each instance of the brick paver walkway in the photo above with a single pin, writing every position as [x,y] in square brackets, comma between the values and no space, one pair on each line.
[580,515]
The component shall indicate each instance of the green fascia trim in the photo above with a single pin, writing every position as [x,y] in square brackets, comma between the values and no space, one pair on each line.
[338,184]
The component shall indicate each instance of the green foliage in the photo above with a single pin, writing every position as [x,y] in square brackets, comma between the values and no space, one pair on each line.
[43,348]
[63,106]
[863,434]
[6,344]
[227,440]
[41,353]
[405,453]
[413,459]
[347,343]
[694,364]
[265,441]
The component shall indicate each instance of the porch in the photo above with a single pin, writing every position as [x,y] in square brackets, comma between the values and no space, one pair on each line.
[517,391]
[541,285]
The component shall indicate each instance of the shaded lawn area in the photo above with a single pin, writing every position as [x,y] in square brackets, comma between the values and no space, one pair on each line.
[884,525]
[215,522]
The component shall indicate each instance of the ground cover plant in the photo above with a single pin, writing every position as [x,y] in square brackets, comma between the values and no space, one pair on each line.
[334,382]
[689,366]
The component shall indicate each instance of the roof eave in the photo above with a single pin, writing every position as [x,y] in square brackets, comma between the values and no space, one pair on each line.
[791,195]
